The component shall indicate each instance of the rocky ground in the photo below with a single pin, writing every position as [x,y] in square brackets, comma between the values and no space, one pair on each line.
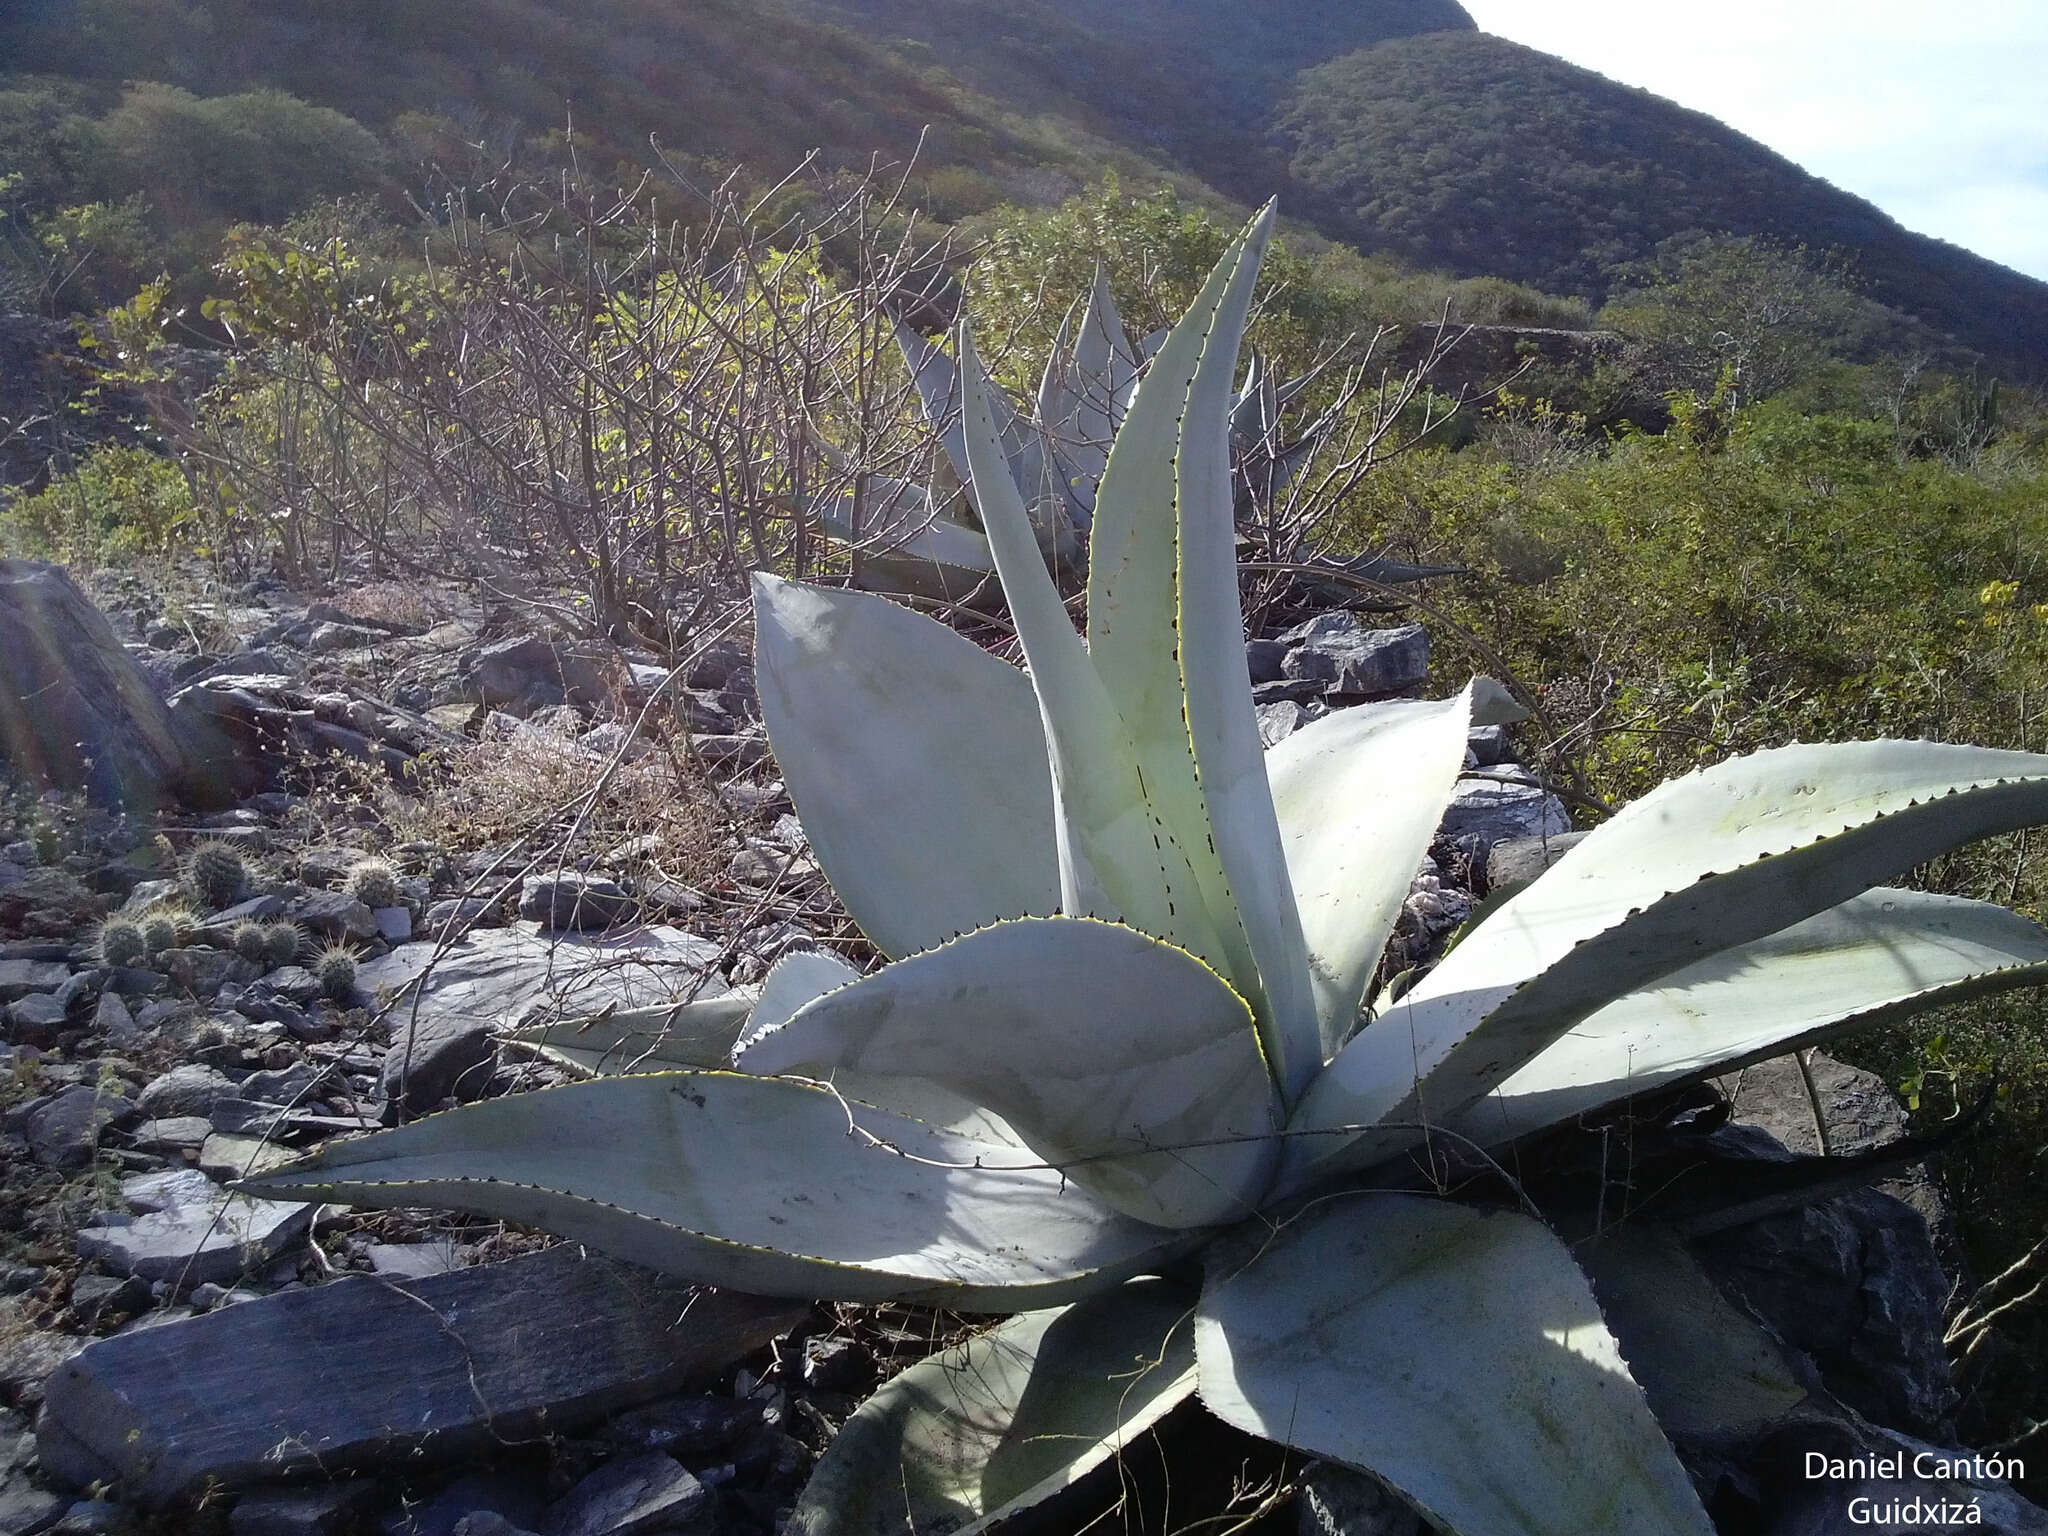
[387,779]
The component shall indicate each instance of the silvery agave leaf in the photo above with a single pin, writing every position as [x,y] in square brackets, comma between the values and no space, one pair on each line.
[1456,1354]
[755,1183]
[1004,1421]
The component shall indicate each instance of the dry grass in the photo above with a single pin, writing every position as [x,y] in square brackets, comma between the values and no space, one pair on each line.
[407,603]
[536,784]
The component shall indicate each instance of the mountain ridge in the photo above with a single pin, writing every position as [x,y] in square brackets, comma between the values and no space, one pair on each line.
[1395,125]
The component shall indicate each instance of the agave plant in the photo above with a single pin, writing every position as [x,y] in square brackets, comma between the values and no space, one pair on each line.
[922,539]
[1122,1074]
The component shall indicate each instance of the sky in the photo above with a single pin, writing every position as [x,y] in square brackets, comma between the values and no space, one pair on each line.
[1937,113]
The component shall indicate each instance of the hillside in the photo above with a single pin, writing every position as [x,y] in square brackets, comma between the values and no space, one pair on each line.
[1390,124]
[1469,152]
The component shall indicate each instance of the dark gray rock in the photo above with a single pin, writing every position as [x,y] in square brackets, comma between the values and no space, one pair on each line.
[283,1386]
[216,1238]
[189,1090]
[687,1426]
[1489,746]
[1515,861]
[335,916]
[36,1019]
[567,899]
[316,1509]
[1493,810]
[19,978]
[63,1129]
[1263,658]
[483,1503]
[257,909]
[1336,1501]
[531,672]
[488,1522]
[200,971]
[75,710]
[238,730]
[499,978]
[720,666]
[1855,1285]
[729,751]
[455,912]
[1287,692]
[1337,651]
[25,1508]
[111,1018]
[29,1355]
[629,1496]
[177,1133]
[92,1295]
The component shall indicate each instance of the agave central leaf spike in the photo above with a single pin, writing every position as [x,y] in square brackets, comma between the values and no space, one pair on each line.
[1120,1026]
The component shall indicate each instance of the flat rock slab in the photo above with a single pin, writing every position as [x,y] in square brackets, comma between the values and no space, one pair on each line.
[308,1383]
[501,978]
[197,1241]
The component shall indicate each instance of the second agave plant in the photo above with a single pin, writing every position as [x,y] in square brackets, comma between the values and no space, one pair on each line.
[1124,1074]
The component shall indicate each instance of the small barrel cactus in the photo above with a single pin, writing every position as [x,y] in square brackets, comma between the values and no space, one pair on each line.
[162,929]
[375,884]
[122,943]
[215,875]
[335,969]
[250,940]
[281,943]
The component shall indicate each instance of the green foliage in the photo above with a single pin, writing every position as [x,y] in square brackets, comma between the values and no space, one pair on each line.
[1739,582]
[250,940]
[97,254]
[256,155]
[121,501]
[1739,312]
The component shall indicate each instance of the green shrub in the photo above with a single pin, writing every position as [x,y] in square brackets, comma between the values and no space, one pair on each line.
[121,501]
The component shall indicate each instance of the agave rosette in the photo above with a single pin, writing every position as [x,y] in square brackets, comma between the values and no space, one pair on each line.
[1125,1023]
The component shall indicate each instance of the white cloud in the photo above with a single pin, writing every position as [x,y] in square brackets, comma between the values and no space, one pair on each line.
[1933,113]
